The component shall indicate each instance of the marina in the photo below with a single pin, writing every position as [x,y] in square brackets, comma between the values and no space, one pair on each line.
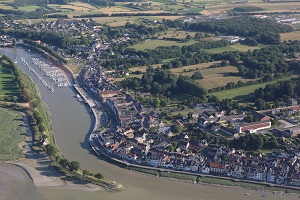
[56,75]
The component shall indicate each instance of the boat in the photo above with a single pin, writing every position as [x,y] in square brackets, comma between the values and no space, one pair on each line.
[247,193]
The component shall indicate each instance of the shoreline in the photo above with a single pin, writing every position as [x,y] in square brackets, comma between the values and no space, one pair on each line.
[37,165]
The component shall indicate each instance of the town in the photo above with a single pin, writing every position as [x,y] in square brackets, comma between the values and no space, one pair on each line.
[140,136]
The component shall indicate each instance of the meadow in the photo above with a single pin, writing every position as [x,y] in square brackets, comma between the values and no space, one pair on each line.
[244,93]
[8,82]
[151,44]
[235,47]
[212,77]
[12,134]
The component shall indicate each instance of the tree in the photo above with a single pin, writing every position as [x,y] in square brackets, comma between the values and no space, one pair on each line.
[14,42]
[196,76]
[156,103]
[260,104]
[87,172]
[50,149]
[64,162]
[99,176]
[74,166]
[249,118]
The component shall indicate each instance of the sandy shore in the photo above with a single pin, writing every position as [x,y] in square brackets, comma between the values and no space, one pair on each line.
[37,166]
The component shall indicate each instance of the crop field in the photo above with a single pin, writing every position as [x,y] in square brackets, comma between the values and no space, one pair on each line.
[114,9]
[290,36]
[243,93]
[151,44]
[8,83]
[12,134]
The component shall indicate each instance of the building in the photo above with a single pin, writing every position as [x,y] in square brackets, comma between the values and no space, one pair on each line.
[253,127]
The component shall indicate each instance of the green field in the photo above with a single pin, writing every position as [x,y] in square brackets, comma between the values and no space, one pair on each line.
[244,93]
[28,8]
[12,134]
[151,44]
[235,47]
[8,82]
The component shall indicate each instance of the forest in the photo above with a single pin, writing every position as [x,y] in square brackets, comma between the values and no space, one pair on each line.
[262,30]
[164,82]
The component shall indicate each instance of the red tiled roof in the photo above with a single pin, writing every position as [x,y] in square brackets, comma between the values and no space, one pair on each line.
[217,165]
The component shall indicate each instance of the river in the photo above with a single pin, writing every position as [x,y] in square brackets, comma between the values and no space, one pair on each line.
[71,124]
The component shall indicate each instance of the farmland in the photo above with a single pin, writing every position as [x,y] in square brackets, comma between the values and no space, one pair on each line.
[290,36]
[12,134]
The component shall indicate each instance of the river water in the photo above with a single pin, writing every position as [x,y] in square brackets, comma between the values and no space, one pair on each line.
[71,124]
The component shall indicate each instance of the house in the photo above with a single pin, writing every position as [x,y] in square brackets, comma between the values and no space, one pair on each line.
[259,116]
[195,115]
[292,102]
[291,132]
[227,130]
[220,114]
[215,127]
[203,122]
[253,127]
[218,168]
[184,144]
[207,114]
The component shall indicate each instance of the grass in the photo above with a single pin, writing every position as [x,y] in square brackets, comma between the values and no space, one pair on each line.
[274,7]
[213,77]
[8,82]
[151,44]
[28,8]
[235,47]
[5,6]
[173,33]
[290,36]
[12,134]
[244,93]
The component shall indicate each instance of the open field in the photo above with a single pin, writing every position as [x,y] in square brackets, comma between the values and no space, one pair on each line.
[8,83]
[290,36]
[5,6]
[115,9]
[151,44]
[201,66]
[214,77]
[28,8]
[268,7]
[12,134]
[173,33]
[243,93]
[235,47]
